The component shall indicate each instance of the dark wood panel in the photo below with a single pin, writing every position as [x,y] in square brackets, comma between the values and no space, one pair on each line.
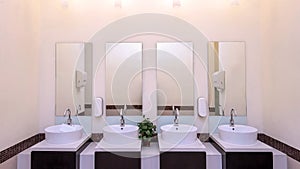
[249,160]
[183,160]
[245,160]
[57,159]
[117,160]
[53,160]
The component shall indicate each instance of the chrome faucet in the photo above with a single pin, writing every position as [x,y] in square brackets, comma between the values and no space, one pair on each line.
[176,113]
[232,113]
[68,112]
[122,121]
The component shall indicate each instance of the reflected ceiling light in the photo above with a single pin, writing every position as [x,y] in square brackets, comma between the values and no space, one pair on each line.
[64,3]
[176,3]
[118,3]
[235,2]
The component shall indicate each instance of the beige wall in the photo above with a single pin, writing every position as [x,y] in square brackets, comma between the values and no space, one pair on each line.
[217,19]
[9,164]
[280,37]
[269,28]
[19,40]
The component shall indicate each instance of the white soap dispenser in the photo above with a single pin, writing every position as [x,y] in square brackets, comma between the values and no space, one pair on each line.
[202,107]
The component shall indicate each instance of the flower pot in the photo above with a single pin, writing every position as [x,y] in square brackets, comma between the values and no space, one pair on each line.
[146,142]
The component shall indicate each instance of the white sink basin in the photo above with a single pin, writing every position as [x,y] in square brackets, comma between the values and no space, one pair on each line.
[238,135]
[63,134]
[115,134]
[181,134]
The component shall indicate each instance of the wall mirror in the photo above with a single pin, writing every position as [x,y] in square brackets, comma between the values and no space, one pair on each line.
[73,78]
[227,78]
[123,78]
[175,78]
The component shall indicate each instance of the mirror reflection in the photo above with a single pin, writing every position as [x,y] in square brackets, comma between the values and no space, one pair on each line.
[73,78]
[123,78]
[175,84]
[227,74]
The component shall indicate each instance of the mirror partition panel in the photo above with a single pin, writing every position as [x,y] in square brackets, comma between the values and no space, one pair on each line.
[123,78]
[74,76]
[227,78]
[175,78]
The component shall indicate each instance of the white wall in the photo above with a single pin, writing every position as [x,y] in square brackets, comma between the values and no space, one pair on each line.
[19,40]
[280,37]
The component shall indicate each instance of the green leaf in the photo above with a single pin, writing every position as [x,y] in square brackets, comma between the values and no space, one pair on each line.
[146,129]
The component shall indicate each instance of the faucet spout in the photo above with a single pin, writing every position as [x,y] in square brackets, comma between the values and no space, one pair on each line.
[176,120]
[232,113]
[122,121]
[68,112]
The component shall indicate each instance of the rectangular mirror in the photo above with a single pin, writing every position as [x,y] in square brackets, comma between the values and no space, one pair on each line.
[227,78]
[73,78]
[175,77]
[123,78]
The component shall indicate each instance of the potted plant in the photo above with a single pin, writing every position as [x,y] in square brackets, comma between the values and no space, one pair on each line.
[147,130]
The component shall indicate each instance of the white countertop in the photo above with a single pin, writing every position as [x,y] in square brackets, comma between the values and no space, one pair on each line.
[194,147]
[74,146]
[132,147]
[227,147]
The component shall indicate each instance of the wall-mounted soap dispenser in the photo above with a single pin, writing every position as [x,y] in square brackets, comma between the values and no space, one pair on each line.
[99,107]
[202,107]
[219,80]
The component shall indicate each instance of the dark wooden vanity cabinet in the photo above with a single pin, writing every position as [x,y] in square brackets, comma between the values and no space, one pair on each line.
[183,160]
[57,159]
[54,159]
[245,160]
[248,160]
[117,160]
